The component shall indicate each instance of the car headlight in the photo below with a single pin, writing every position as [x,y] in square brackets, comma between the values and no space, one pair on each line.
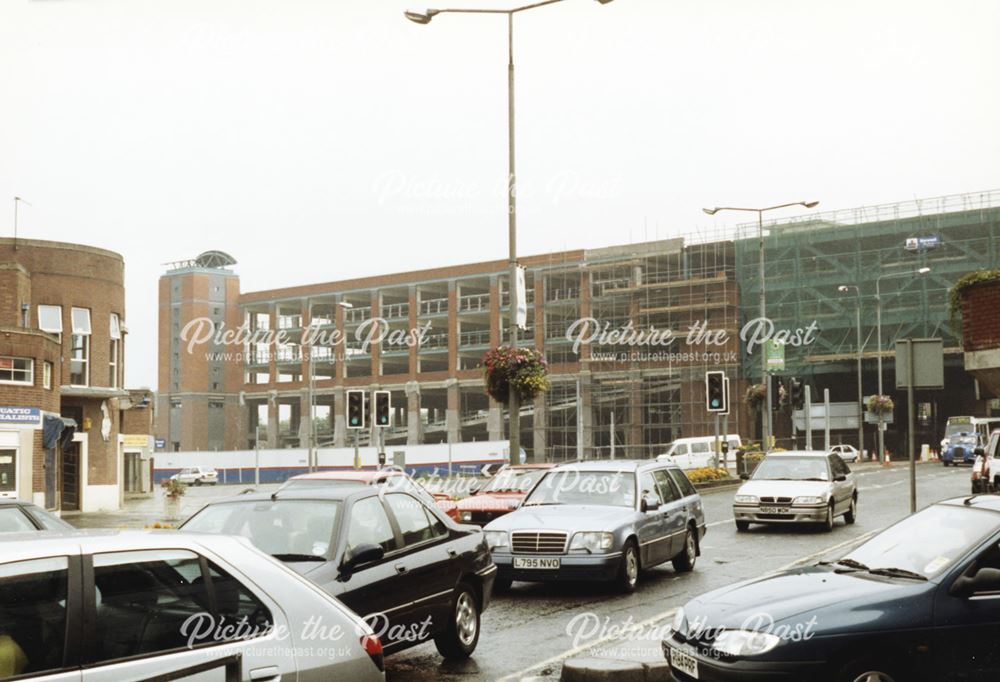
[592,541]
[466,516]
[808,499]
[745,642]
[497,539]
[746,499]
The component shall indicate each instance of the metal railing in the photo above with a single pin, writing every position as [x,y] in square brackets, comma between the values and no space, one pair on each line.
[474,303]
[434,306]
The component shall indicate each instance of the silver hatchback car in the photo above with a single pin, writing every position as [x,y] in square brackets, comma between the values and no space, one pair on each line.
[801,486]
[114,606]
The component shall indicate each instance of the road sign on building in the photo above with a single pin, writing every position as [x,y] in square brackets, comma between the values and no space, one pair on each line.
[775,356]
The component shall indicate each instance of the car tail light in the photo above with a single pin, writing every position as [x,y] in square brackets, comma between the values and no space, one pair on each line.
[373,647]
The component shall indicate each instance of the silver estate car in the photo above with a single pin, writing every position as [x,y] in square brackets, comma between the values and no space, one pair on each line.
[600,520]
[120,606]
[799,486]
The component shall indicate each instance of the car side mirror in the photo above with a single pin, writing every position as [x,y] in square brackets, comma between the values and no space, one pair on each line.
[744,476]
[649,503]
[985,580]
[979,452]
[840,478]
[360,555]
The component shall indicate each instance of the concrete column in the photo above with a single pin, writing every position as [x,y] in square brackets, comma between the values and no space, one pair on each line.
[634,435]
[272,419]
[452,329]
[495,312]
[494,420]
[452,416]
[272,348]
[339,417]
[376,348]
[414,425]
[584,310]
[340,350]
[305,419]
[414,304]
[586,413]
[539,286]
[539,445]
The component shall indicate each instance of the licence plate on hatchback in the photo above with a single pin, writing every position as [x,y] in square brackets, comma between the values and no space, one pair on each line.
[774,510]
[535,562]
[684,663]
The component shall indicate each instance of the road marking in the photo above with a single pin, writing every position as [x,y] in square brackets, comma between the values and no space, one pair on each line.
[669,613]
[719,523]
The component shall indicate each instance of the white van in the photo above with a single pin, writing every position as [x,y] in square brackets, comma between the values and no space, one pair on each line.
[694,453]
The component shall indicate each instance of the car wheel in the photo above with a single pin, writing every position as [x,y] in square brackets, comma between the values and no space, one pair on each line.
[828,524]
[197,481]
[462,634]
[851,515]
[684,562]
[628,572]
[742,526]
[866,672]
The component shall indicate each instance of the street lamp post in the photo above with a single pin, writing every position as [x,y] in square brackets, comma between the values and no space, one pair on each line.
[766,421]
[878,332]
[425,18]
[861,396]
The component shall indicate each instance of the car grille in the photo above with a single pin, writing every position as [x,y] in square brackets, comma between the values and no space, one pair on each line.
[538,543]
[775,500]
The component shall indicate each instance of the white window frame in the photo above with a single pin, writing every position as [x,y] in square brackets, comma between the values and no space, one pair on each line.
[114,351]
[30,381]
[85,360]
[47,375]
[53,326]
[80,318]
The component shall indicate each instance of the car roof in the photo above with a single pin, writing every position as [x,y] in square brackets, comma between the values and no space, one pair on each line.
[47,543]
[615,464]
[316,493]
[990,502]
[799,453]
[526,467]
[364,475]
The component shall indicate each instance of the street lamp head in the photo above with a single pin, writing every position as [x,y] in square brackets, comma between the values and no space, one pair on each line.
[843,288]
[810,204]
[420,17]
[923,271]
[710,211]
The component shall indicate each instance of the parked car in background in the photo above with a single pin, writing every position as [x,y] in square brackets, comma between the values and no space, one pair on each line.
[134,605]
[396,479]
[799,486]
[196,476]
[848,453]
[698,452]
[600,520]
[917,602]
[500,495]
[17,516]
[393,557]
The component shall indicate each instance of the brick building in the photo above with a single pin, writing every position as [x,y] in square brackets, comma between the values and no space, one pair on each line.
[62,335]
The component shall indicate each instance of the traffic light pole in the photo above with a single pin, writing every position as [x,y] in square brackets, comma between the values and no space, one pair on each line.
[715,460]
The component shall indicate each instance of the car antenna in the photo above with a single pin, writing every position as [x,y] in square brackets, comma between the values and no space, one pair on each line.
[968,500]
[274,496]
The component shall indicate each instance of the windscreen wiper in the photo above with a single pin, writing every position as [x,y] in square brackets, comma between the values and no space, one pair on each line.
[898,573]
[849,563]
[298,557]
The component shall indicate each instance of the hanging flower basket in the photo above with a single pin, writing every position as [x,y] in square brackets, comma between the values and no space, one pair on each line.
[880,404]
[520,369]
[755,396]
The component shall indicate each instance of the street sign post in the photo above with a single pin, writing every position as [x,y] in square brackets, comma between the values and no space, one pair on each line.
[775,356]
[919,364]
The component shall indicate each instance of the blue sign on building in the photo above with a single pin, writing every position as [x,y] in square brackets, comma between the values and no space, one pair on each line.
[20,415]
[160,443]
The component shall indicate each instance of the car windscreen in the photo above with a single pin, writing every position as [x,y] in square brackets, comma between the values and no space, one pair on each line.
[513,481]
[792,469]
[283,528]
[928,542]
[607,488]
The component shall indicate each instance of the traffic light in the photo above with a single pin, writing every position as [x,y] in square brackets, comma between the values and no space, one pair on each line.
[716,399]
[383,408]
[797,395]
[356,409]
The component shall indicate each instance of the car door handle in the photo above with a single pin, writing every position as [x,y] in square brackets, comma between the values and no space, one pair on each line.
[452,552]
[400,568]
[269,674]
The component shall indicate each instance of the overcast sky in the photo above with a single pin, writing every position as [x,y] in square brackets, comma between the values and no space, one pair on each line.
[322,139]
